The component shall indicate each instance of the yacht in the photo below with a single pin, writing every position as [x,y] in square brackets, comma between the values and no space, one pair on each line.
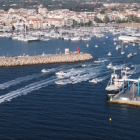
[116,81]
[109,66]
[109,54]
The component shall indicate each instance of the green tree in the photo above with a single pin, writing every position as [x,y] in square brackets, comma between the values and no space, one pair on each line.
[106,19]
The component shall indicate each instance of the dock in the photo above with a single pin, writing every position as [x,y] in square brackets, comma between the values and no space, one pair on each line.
[45,59]
[129,96]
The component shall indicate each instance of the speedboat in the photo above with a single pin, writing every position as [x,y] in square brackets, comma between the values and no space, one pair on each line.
[109,66]
[93,81]
[129,55]
[87,45]
[59,82]
[132,66]
[83,65]
[114,43]
[96,46]
[61,73]
[135,53]
[109,54]
[44,71]
[123,52]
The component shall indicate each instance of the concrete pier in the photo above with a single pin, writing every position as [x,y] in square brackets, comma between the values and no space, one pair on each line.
[46,59]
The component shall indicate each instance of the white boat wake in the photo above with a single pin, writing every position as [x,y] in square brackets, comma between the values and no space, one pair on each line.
[23,91]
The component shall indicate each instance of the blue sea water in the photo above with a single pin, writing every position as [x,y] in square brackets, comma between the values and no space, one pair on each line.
[36,108]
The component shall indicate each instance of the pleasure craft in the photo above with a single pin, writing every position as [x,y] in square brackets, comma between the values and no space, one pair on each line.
[109,54]
[87,45]
[96,46]
[135,53]
[109,66]
[84,65]
[126,46]
[126,42]
[114,43]
[129,55]
[44,71]
[61,73]
[93,81]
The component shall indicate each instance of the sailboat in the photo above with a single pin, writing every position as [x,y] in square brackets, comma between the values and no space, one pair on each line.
[122,52]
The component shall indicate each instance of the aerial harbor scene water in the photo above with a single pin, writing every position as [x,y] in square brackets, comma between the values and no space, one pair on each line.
[69,75]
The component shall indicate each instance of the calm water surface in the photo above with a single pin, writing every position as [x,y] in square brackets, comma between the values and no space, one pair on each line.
[36,108]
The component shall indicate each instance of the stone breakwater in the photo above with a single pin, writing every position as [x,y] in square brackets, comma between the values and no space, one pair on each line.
[46,59]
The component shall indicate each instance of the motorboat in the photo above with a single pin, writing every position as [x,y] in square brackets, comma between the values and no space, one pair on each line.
[132,66]
[87,45]
[109,54]
[61,73]
[44,71]
[133,44]
[135,53]
[96,46]
[59,82]
[84,65]
[93,81]
[109,66]
[114,43]
[104,43]
[106,36]
[117,48]
[129,55]
[126,46]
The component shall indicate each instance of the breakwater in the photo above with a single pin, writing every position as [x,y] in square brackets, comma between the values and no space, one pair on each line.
[45,59]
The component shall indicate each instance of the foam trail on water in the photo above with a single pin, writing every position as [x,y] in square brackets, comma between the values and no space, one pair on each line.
[27,89]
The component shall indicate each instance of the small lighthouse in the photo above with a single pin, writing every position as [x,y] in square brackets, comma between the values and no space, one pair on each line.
[77,49]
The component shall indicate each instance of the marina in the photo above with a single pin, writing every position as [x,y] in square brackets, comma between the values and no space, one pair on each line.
[59,100]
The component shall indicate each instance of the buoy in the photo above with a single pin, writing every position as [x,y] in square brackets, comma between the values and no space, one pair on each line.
[110,119]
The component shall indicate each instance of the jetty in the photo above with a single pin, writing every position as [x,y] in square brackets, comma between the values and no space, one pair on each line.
[45,59]
[129,95]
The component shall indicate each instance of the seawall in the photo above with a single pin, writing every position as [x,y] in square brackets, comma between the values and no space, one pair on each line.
[46,59]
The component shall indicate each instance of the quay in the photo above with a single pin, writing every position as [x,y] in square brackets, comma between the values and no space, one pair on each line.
[45,59]
[129,95]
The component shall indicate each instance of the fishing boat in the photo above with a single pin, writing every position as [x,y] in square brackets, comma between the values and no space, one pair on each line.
[116,82]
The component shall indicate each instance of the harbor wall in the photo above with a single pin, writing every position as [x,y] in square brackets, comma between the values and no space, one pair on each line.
[46,59]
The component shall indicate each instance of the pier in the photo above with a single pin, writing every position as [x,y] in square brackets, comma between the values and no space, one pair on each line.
[129,95]
[44,59]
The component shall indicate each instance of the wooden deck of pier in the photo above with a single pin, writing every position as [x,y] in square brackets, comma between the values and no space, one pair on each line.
[46,59]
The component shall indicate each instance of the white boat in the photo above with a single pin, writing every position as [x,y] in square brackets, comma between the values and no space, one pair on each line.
[93,81]
[129,55]
[109,54]
[126,46]
[106,36]
[133,44]
[96,46]
[59,82]
[114,43]
[135,53]
[117,48]
[61,73]
[84,65]
[109,66]
[104,43]
[87,45]
[44,71]
[132,66]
